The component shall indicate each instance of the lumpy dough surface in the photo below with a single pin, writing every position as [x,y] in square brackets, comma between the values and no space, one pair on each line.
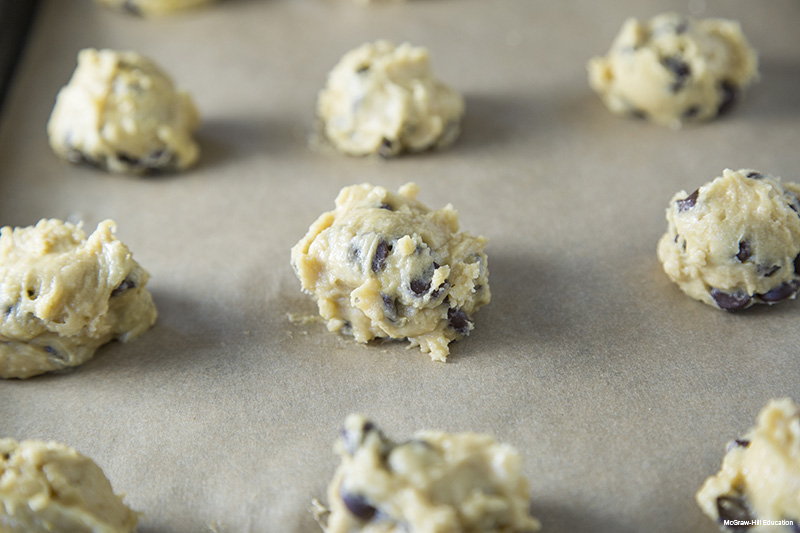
[46,487]
[384,265]
[734,241]
[673,69]
[435,482]
[63,295]
[760,475]
[121,112]
[383,99]
[153,7]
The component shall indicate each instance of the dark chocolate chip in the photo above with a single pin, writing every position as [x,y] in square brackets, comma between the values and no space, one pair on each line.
[381,253]
[682,27]
[389,307]
[362,69]
[31,294]
[730,301]
[740,443]
[420,286]
[745,252]
[458,320]
[688,202]
[387,148]
[795,527]
[126,284]
[131,7]
[781,292]
[55,355]
[386,206]
[691,112]
[754,175]
[354,252]
[733,509]
[729,96]
[357,504]
[129,160]
[768,270]
[797,264]
[680,71]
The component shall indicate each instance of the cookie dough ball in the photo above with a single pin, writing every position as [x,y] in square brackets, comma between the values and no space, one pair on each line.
[672,69]
[434,481]
[734,242]
[383,99]
[46,487]
[152,7]
[63,295]
[760,475]
[384,265]
[121,112]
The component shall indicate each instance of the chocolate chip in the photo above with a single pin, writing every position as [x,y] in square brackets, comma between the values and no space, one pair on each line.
[128,160]
[386,206]
[131,7]
[55,356]
[730,301]
[795,527]
[691,112]
[31,293]
[357,504]
[754,175]
[797,264]
[354,252]
[745,252]
[126,284]
[389,307]
[682,27]
[459,321]
[420,286]
[781,292]
[387,148]
[680,71]
[729,95]
[639,113]
[688,202]
[738,443]
[768,270]
[733,508]
[381,253]
[362,69]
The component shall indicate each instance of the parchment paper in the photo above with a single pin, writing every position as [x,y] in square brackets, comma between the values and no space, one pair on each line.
[619,391]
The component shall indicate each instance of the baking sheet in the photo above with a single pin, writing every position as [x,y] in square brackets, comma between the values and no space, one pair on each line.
[619,391]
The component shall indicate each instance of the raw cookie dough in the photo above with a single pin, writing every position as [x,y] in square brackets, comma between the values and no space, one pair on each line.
[735,241]
[152,7]
[121,112]
[383,99]
[384,265]
[760,476]
[62,296]
[433,482]
[672,69]
[46,487]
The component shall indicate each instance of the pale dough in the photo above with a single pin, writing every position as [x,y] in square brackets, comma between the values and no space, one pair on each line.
[383,99]
[46,487]
[121,112]
[384,265]
[735,241]
[760,476]
[435,482]
[63,295]
[153,7]
[672,69]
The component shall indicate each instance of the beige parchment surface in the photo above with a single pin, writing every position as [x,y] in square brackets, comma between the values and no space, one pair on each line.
[619,391]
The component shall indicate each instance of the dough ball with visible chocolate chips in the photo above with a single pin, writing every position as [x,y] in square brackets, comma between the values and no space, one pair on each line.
[121,112]
[383,265]
[383,99]
[63,295]
[432,482]
[735,241]
[148,8]
[759,482]
[47,487]
[673,69]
